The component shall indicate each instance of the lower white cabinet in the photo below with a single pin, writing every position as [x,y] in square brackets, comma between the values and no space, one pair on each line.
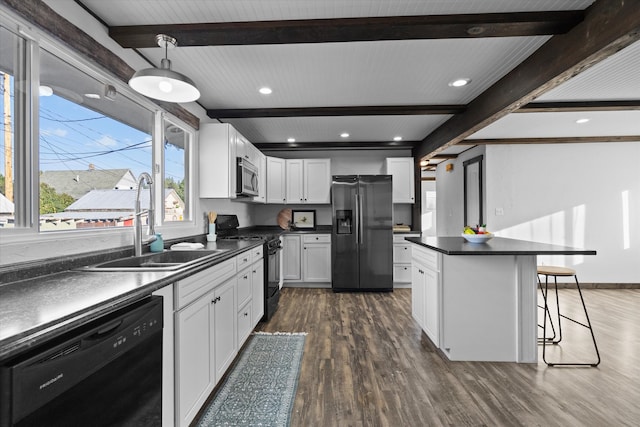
[316,258]
[426,291]
[306,258]
[215,311]
[402,259]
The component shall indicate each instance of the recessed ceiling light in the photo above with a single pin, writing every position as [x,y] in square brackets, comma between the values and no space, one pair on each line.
[583,120]
[291,140]
[265,90]
[344,135]
[424,162]
[92,95]
[459,82]
[397,138]
[45,91]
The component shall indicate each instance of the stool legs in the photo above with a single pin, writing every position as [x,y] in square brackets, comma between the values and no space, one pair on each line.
[544,326]
[546,308]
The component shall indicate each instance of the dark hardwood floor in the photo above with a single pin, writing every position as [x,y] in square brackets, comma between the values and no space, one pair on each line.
[366,363]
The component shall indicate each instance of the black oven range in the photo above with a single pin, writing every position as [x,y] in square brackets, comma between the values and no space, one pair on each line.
[227,228]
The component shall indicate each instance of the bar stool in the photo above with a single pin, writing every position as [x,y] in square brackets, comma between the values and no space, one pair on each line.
[547,270]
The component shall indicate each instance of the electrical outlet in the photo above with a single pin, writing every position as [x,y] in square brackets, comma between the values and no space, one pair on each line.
[499,211]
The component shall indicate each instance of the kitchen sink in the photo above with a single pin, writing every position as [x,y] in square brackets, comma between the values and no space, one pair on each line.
[160,261]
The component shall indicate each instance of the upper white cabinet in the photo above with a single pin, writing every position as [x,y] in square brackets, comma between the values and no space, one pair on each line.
[308,181]
[217,144]
[220,145]
[276,180]
[317,181]
[401,168]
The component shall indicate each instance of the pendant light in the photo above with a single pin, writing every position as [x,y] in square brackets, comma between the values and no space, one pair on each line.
[163,83]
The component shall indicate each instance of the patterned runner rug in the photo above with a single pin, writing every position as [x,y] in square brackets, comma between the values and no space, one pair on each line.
[261,387]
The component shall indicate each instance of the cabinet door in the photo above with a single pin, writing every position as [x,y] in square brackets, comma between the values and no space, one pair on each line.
[194,352]
[431,304]
[401,168]
[317,181]
[261,163]
[295,177]
[291,257]
[217,161]
[276,172]
[316,262]
[417,293]
[225,326]
[257,298]
[245,323]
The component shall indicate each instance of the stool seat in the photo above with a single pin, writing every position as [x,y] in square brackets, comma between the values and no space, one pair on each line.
[550,270]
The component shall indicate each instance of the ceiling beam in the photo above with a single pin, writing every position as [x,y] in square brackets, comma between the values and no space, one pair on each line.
[382,110]
[335,145]
[351,29]
[552,140]
[576,106]
[608,27]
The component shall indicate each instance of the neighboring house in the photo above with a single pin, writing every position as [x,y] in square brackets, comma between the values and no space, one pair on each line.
[110,208]
[7,210]
[77,183]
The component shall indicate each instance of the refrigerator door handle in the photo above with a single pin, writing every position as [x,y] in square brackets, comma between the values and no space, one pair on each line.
[357,218]
[360,225]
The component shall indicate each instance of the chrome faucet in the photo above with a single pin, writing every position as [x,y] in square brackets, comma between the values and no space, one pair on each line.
[137,229]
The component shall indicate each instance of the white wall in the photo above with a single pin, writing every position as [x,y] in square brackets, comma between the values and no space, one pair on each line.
[580,195]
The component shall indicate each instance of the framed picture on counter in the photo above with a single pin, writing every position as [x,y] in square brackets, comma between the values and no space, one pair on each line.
[303,220]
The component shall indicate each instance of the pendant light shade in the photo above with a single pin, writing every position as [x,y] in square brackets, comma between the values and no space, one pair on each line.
[163,83]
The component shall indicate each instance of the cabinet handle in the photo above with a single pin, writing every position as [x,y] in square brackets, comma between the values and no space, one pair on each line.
[255,271]
[316,238]
[246,314]
[245,276]
[215,300]
[405,248]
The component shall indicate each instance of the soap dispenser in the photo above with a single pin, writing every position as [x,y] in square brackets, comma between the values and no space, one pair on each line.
[158,244]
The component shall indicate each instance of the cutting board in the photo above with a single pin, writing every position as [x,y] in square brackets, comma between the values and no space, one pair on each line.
[284,218]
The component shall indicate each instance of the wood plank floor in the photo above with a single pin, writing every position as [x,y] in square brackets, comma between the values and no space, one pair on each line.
[366,363]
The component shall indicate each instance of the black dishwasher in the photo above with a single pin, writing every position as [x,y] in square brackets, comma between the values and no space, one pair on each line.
[105,373]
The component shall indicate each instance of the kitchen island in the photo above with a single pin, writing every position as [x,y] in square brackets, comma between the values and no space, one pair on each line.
[478,301]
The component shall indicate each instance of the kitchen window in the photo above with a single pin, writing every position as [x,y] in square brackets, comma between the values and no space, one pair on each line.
[72,152]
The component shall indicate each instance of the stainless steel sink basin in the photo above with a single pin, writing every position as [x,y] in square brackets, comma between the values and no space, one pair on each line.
[161,261]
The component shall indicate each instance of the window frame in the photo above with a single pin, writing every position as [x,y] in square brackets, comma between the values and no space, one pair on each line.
[26,145]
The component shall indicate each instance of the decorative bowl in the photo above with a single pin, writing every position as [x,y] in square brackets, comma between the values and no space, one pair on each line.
[478,238]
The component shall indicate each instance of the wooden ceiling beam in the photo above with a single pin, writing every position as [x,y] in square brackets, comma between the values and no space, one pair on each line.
[553,140]
[576,106]
[335,145]
[351,29]
[382,110]
[608,27]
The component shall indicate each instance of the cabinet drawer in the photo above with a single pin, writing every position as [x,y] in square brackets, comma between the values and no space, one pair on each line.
[244,323]
[244,286]
[200,283]
[243,260]
[402,273]
[402,252]
[257,253]
[425,256]
[316,238]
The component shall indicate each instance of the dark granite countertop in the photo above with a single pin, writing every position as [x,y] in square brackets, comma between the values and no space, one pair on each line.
[274,229]
[495,246]
[39,308]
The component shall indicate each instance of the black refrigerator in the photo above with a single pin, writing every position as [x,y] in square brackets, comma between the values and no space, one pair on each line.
[362,234]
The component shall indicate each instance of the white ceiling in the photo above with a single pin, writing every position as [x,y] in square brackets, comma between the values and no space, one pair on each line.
[379,73]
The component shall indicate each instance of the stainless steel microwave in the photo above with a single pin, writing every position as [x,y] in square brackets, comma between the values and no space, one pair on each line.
[246,178]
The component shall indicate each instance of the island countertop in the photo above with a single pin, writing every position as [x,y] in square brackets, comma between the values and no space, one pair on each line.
[497,246]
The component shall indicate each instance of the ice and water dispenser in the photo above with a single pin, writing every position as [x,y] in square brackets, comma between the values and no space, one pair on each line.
[344,221]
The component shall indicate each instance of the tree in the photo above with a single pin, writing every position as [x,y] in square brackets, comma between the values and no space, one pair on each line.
[52,202]
[2,184]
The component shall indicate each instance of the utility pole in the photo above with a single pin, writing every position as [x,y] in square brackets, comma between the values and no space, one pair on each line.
[8,155]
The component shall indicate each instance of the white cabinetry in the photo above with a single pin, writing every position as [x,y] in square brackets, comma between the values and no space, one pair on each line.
[168,372]
[291,248]
[216,309]
[316,258]
[220,144]
[402,259]
[276,180]
[401,168]
[298,181]
[426,291]
[306,258]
